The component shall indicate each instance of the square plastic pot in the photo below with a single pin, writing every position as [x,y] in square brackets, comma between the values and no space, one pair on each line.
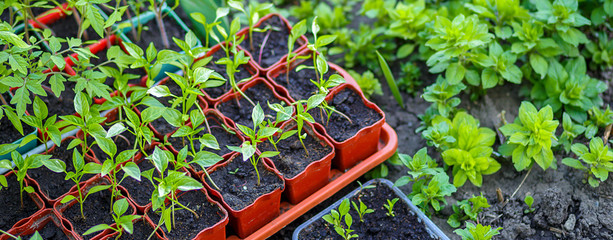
[249,219]
[434,231]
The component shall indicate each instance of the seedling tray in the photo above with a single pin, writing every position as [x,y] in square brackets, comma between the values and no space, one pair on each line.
[388,142]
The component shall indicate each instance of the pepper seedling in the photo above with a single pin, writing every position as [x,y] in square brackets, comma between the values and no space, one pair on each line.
[122,223]
[256,134]
[252,15]
[390,207]
[22,165]
[297,31]
[340,218]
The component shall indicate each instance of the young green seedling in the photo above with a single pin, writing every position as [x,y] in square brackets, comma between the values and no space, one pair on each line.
[284,113]
[341,218]
[529,200]
[22,165]
[467,209]
[208,27]
[472,232]
[390,207]
[252,15]
[80,169]
[256,134]
[297,31]
[362,210]
[88,120]
[48,126]
[122,223]
[598,159]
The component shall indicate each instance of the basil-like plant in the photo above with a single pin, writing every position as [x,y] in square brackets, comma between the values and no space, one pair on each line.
[478,232]
[571,131]
[530,137]
[441,95]
[467,209]
[600,51]
[598,159]
[598,119]
[122,222]
[255,135]
[564,18]
[341,218]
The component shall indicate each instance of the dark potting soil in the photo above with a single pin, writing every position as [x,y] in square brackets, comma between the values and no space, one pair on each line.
[62,106]
[293,159]
[67,27]
[300,86]
[349,103]
[96,209]
[140,191]
[123,141]
[138,73]
[243,72]
[183,16]
[187,224]
[51,183]
[153,35]
[376,225]
[49,232]
[274,41]
[9,133]
[5,16]
[12,211]
[223,137]
[239,188]
[259,93]
[141,231]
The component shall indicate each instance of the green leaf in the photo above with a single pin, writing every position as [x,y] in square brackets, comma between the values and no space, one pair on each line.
[455,73]
[390,79]
[539,64]
[132,170]
[81,104]
[115,130]
[97,228]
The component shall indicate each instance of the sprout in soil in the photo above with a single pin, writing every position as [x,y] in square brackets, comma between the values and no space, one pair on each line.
[341,218]
[390,207]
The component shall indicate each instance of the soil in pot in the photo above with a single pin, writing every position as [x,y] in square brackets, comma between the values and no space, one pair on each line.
[49,231]
[376,225]
[62,106]
[241,114]
[68,27]
[139,72]
[349,103]
[292,159]
[153,35]
[238,182]
[142,230]
[160,124]
[300,86]
[96,208]
[269,46]
[189,225]
[140,191]
[243,73]
[9,133]
[223,137]
[12,211]
[51,183]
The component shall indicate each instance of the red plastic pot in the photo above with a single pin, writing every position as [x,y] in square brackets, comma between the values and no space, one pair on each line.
[231,96]
[24,223]
[201,101]
[110,234]
[302,41]
[51,16]
[37,187]
[249,219]
[361,145]
[315,175]
[281,68]
[219,119]
[36,222]
[251,67]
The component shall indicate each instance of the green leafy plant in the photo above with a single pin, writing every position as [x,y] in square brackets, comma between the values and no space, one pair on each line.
[341,218]
[467,209]
[441,95]
[564,18]
[362,210]
[252,15]
[390,207]
[256,134]
[598,159]
[598,119]
[22,165]
[80,169]
[122,223]
[208,27]
[571,131]
[529,200]
[410,80]
[478,232]
[40,120]
[297,31]
[569,87]
[600,51]
[530,137]
[368,83]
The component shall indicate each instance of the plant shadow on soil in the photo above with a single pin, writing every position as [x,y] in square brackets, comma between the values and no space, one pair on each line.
[566,207]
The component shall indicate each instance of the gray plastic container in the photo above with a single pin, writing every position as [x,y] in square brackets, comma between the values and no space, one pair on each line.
[434,231]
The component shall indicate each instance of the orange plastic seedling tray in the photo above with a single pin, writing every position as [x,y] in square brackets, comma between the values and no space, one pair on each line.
[388,143]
